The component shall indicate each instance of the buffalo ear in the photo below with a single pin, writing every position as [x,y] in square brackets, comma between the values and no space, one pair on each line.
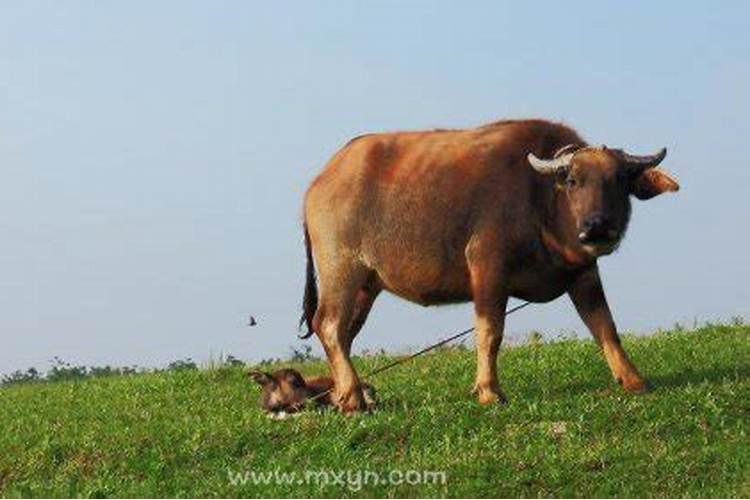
[653,182]
[261,378]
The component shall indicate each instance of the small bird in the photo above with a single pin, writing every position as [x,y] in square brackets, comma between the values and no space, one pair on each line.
[251,321]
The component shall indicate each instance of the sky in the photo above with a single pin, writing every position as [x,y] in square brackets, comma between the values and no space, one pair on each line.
[154,155]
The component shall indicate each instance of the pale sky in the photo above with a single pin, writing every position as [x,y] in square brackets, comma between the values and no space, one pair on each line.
[154,156]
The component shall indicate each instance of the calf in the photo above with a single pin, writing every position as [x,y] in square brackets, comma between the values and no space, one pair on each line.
[286,391]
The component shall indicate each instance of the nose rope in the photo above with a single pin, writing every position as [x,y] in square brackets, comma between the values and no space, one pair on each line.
[401,361]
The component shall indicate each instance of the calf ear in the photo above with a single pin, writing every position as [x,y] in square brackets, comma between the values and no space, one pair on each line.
[653,182]
[261,378]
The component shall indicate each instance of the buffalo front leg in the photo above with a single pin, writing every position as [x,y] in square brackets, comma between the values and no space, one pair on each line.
[588,297]
[489,335]
[489,309]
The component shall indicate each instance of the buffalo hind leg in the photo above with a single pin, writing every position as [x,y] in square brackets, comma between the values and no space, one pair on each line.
[333,320]
[588,297]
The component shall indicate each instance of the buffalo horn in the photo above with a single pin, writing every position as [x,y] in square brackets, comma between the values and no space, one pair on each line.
[640,163]
[549,166]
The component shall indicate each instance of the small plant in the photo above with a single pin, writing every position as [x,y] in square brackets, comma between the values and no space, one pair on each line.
[230,360]
[182,365]
[269,361]
[62,370]
[21,377]
[535,338]
[105,371]
[302,355]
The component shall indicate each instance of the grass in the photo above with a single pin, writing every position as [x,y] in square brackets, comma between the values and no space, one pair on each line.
[568,431]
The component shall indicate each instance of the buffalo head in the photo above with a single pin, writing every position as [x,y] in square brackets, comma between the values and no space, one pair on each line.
[596,183]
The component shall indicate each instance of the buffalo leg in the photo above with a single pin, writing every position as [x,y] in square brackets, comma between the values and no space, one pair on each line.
[489,309]
[332,325]
[588,297]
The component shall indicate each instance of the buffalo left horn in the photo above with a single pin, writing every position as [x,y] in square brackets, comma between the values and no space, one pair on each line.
[549,166]
[640,163]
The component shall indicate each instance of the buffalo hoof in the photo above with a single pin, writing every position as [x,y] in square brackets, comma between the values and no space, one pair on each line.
[490,396]
[352,402]
[634,385]
[493,399]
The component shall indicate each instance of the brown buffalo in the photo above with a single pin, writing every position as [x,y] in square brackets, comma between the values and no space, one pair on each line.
[286,391]
[517,208]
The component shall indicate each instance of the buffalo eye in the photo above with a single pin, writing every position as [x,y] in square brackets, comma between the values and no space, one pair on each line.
[571,182]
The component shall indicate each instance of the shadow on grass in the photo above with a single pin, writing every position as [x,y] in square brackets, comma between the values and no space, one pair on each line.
[664,381]
[693,376]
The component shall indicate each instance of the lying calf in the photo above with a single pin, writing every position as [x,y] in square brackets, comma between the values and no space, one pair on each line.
[286,391]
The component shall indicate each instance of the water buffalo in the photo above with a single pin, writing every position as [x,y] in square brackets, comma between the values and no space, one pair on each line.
[516,208]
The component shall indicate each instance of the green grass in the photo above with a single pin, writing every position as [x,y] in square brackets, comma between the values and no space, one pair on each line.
[568,431]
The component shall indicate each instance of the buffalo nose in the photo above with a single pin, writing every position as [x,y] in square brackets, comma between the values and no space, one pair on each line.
[596,227]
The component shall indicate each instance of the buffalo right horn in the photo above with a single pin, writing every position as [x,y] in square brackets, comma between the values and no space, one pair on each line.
[549,166]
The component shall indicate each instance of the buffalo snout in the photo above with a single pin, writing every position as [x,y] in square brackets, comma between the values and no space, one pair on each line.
[598,228]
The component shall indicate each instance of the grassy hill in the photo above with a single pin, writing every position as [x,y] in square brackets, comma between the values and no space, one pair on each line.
[568,431]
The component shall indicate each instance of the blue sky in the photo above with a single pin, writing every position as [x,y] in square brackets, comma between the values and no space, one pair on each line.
[154,156]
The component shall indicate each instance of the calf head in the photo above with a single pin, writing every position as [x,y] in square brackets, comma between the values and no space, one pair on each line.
[284,390]
[596,184]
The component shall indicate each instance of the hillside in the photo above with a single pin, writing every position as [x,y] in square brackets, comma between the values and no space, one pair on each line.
[568,431]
